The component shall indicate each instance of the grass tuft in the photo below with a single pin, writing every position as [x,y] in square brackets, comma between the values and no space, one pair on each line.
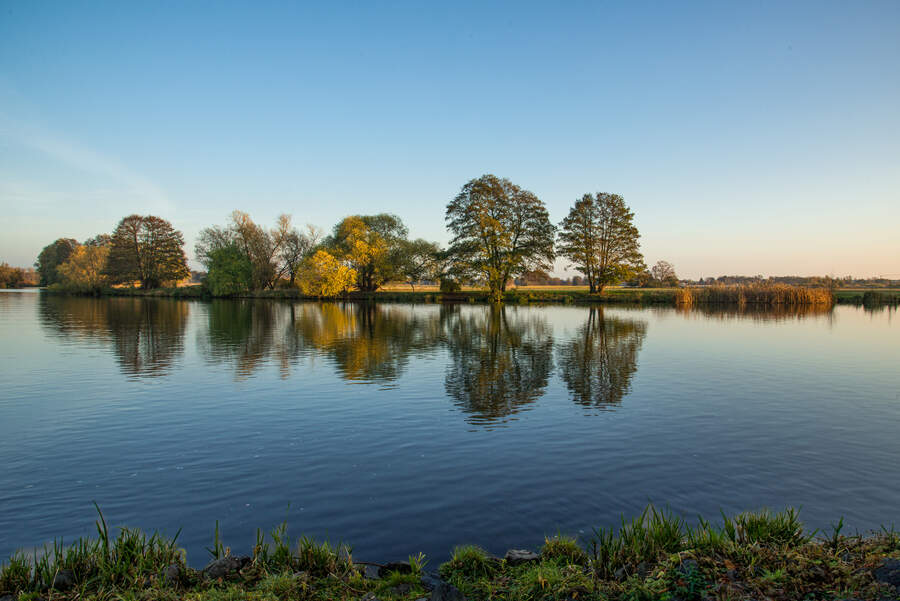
[564,548]
[468,562]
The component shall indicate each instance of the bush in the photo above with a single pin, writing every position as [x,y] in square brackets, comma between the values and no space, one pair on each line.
[449,285]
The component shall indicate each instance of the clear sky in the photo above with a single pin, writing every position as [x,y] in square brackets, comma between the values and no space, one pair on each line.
[748,137]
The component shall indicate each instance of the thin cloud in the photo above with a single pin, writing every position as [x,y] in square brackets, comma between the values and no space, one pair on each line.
[66,151]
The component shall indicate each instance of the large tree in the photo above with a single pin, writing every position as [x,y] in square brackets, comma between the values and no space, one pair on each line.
[600,238]
[51,257]
[147,249]
[372,245]
[500,231]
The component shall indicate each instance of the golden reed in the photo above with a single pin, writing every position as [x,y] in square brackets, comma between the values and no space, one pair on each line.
[771,295]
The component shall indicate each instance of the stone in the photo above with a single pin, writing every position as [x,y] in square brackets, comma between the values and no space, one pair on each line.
[369,597]
[394,566]
[516,557]
[401,590]
[172,574]
[63,580]
[7,598]
[620,574]
[888,572]
[642,569]
[225,567]
[687,566]
[447,592]
[369,571]
[430,580]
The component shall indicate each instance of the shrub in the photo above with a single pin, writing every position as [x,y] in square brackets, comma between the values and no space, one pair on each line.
[449,285]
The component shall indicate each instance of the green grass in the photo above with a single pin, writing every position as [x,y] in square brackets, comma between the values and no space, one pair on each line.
[468,563]
[868,298]
[655,555]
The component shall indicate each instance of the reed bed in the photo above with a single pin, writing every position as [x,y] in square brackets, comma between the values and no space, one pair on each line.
[764,295]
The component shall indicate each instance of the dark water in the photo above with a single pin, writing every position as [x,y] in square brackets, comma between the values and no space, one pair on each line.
[401,428]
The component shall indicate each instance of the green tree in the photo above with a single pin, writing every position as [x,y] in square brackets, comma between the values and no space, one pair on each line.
[229,271]
[146,249]
[600,238]
[263,248]
[419,261]
[372,245]
[51,257]
[500,231]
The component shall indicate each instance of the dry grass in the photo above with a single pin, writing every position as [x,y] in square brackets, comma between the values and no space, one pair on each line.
[771,295]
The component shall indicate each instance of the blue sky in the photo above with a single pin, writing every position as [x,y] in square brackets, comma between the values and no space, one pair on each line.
[747,137]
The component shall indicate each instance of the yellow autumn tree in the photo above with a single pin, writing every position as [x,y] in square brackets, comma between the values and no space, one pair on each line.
[324,276]
[372,245]
[84,269]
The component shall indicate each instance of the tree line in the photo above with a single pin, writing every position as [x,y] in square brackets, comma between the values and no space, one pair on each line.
[500,233]
[16,277]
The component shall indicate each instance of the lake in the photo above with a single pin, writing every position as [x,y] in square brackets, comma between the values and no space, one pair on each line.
[403,428]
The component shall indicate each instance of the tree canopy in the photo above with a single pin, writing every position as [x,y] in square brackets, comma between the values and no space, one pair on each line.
[51,257]
[325,276]
[600,238]
[664,273]
[500,231]
[146,249]
[371,245]
[271,254]
[84,271]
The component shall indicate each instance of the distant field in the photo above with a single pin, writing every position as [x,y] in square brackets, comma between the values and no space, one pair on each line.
[406,288]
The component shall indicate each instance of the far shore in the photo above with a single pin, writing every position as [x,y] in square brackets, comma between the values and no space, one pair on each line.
[516,295]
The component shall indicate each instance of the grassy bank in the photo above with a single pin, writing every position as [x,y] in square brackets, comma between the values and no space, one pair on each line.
[868,298]
[741,295]
[655,555]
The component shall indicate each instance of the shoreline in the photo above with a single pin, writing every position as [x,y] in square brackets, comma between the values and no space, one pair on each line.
[655,555]
[671,297]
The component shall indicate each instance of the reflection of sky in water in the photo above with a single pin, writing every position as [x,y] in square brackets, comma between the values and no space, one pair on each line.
[402,428]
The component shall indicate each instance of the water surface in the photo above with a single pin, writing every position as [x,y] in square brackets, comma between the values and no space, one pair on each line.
[406,428]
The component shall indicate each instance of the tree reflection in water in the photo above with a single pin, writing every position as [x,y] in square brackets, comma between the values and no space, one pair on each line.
[501,360]
[368,341]
[146,335]
[250,334]
[598,363]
